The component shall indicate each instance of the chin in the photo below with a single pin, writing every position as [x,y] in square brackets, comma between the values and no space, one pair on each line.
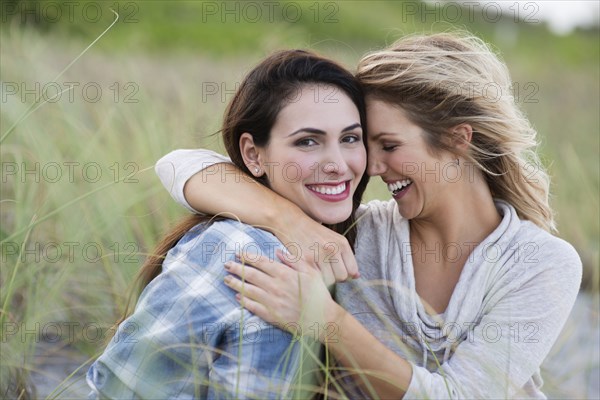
[408,213]
[330,219]
[329,214]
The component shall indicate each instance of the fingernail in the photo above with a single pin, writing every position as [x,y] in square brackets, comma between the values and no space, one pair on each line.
[281,254]
[228,265]
[227,279]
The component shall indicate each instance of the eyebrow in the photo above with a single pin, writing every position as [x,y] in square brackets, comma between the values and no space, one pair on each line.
[322,132]
[375,136]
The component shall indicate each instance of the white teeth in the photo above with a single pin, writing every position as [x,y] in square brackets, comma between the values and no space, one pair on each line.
[329,189]
[392,187]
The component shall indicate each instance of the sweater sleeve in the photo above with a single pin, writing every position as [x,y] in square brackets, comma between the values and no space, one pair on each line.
[507,346]
[175,168]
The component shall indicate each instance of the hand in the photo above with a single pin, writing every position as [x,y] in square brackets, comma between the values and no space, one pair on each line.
[319,246]
[291,295]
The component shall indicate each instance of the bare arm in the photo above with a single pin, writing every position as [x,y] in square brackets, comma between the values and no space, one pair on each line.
[379,370]
[220,188]
[224,189]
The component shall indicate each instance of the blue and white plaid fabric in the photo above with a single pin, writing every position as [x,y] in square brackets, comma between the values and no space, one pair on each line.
[189,338]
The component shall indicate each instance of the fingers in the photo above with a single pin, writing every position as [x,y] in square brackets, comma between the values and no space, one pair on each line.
[245,288]
[332,264]
[285,258]
[304,266]
[349,262]
[261,263]
[252,282]
[335,261]
[294,262]
[256,308]
[328,271]
[341,258]
[251,294]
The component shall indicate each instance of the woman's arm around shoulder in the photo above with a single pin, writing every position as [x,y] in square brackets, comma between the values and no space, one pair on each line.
[204,181]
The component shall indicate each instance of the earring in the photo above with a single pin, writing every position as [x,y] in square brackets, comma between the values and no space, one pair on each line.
[457,161]
[256,170]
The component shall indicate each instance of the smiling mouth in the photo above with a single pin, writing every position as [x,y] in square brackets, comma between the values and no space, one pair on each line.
[328,189]
[399,186]
[331,192]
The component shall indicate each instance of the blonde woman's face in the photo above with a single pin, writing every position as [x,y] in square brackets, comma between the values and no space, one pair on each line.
[417,180]
[316,156]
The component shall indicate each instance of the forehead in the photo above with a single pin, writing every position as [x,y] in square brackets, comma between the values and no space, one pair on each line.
[326,107]
[385,119]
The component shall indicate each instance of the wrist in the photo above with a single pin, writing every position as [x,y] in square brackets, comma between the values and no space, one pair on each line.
[283,215]
[334,319]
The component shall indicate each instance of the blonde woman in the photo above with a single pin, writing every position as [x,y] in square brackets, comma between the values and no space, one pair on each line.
[463,288]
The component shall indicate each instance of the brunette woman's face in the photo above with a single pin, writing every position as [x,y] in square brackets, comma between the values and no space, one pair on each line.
[316,156]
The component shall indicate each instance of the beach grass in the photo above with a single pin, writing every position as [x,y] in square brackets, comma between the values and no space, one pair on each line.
[82,207]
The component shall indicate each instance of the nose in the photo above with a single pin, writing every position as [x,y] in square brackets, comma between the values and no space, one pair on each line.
[334,162]
[375,165]
[331,168]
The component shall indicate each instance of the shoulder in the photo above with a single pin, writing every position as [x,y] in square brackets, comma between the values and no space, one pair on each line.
[202,251]
[207,239]
[547,255]
[193,270]
[532,251]
[549,249]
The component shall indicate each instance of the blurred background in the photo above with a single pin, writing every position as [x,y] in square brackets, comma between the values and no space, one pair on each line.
[86,111]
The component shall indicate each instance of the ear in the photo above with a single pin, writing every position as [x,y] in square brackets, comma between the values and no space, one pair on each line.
[251,154]
[461,137]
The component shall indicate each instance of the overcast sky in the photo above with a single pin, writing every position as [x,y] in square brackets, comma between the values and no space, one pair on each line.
[564,16]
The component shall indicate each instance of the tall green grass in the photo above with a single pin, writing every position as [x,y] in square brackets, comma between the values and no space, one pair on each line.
[83,233]
[153,102]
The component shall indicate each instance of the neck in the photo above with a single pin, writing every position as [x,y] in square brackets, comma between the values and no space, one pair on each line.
[466,216]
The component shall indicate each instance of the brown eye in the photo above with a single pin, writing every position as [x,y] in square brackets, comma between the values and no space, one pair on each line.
[307,142]
[351,139]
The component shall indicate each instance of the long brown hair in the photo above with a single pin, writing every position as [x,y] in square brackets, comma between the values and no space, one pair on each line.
[254,109]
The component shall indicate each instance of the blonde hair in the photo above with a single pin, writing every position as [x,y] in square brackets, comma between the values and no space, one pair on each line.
[447,79]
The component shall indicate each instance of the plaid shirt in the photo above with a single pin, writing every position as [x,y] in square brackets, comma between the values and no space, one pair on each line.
[189,338]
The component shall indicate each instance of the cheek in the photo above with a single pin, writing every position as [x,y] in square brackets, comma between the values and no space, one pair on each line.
[296,170]
[306,168]
[358,161]
[406,160]
[283,166]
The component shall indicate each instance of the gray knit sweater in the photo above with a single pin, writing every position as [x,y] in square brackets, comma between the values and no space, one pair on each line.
[512,299]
